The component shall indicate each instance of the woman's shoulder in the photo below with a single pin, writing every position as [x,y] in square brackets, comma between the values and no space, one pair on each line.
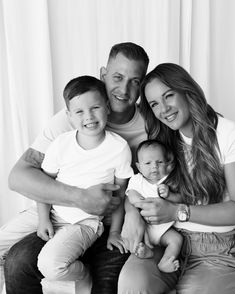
[226,139]
[225,128]
[225,124]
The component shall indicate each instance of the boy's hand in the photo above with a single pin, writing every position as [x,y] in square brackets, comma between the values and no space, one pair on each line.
[115,239]
[45,230]
[163,191]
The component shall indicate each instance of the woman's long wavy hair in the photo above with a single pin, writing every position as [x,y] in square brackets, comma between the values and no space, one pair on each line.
[206,181]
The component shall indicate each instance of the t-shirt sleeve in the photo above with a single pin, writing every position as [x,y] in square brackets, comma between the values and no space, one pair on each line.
[57,125]
[50,162]
[230,152]
[124,169]
[134,184]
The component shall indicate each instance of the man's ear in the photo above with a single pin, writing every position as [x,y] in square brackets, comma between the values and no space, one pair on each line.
[103,72]
[67,113]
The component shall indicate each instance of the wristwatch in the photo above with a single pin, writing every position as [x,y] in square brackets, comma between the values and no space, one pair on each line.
[183,213]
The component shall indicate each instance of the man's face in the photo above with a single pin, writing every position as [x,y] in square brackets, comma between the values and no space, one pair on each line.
[122,79]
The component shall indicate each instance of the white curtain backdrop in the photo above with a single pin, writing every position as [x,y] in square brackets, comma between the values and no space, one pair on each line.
[44,44]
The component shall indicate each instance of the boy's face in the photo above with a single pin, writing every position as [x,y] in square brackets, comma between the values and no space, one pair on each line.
[122,79]
[152,164]
[88,113]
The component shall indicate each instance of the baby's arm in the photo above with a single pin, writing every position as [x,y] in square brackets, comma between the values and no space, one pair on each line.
[164,192]
[134,196]
[114,238]
[45,228]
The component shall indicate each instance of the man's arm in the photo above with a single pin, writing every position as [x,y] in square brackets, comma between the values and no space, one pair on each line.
[28,179]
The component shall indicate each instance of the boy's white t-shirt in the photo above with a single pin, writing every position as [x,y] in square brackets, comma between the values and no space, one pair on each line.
[226,141]
[133,131]
[84,168]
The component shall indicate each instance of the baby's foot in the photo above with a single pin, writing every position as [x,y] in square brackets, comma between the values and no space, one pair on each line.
[168,264]
[143,251]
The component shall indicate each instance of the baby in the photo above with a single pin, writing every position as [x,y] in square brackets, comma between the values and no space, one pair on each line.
[155,163]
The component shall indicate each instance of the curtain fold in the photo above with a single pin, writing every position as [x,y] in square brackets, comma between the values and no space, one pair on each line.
[44,44]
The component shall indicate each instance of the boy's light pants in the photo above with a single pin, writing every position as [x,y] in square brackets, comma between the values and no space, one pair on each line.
[58,258]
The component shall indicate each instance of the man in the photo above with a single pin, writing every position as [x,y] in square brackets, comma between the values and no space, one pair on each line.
[126,67]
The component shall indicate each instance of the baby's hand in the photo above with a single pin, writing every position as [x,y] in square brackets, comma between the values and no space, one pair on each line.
[163,190]
[45,230]
[115,239]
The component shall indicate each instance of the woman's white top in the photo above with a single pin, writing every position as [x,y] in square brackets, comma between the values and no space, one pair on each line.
[226,140]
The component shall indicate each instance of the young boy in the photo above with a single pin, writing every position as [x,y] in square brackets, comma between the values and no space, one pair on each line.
[155,163]
[84,157]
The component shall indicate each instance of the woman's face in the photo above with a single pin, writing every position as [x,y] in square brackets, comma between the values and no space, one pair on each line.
[170,107]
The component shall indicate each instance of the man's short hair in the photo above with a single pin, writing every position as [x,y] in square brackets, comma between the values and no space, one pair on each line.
[131,51]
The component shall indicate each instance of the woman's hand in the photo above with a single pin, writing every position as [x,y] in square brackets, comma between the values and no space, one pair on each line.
[157,210]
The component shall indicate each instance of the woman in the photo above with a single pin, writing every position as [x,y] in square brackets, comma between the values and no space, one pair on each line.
[176,112]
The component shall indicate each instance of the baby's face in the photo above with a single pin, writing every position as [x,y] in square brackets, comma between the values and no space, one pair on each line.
[152,164]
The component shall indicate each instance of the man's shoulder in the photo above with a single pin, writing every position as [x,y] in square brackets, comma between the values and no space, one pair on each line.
[60,121]
[115,138]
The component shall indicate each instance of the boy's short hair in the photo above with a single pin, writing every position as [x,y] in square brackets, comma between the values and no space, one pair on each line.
[168,154]
[81,85]
[131,51]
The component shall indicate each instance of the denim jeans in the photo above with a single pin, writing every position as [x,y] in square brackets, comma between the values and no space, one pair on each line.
[23,277]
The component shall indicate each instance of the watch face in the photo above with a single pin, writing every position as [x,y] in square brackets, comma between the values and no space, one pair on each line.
[182,216]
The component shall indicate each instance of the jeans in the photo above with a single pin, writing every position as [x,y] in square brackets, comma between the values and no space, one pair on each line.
[23,277]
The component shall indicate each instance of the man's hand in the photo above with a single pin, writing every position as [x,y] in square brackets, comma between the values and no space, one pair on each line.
[98,199]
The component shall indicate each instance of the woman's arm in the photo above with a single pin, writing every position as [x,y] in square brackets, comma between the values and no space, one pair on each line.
[28,179]
[220,214]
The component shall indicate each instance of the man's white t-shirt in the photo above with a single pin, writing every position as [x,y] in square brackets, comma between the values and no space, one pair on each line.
[82,168]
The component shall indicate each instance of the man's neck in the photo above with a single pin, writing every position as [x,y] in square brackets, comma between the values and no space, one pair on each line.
[121,118]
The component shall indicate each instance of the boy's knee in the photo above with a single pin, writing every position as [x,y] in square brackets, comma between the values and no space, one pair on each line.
[49,267]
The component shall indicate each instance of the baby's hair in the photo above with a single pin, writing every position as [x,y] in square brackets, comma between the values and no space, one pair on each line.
[168,154]
[81,85]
